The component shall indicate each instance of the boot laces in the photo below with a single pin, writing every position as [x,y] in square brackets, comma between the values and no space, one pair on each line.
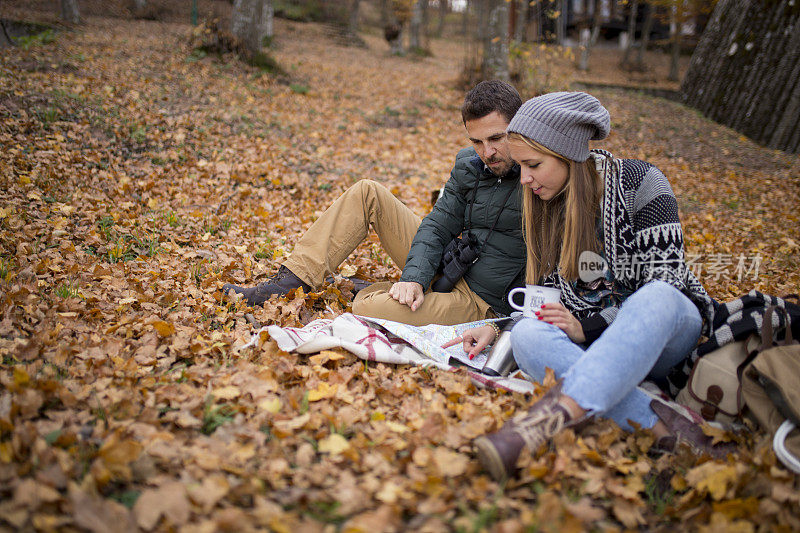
[537,427]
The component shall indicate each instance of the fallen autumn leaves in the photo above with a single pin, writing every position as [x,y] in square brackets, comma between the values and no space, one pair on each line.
[137,180]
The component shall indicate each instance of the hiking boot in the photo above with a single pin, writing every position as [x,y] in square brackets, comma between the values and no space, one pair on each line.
[358,284]
[281,283]
[684,430]
[499,451]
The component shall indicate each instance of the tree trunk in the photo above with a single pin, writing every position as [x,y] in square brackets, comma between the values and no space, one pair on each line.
[495,44]
[522,21]
[648,26]
[626,56]
[251,22]
[587,48]
[539,21]
[444,9]
[352,22]
[415,27]
[269,26]
[70,12]
[744,72]
[425,4]
[561,22]
[674,74]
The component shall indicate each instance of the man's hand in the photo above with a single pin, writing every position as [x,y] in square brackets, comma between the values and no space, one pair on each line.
[558,315]
[474,340]
[408,293]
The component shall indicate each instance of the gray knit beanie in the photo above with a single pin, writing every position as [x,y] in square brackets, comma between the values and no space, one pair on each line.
[563,122]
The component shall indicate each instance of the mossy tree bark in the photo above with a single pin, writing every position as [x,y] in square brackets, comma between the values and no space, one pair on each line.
[70,12]
[745,72]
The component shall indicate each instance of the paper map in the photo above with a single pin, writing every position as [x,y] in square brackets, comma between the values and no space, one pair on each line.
[429,340]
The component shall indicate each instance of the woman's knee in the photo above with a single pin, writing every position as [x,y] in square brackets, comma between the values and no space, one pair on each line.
[532,342]
[663,295]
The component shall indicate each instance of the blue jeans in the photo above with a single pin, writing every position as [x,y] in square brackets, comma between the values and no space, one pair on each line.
[654,330]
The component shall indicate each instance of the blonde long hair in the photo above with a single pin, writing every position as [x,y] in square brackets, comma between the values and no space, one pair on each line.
[557,231]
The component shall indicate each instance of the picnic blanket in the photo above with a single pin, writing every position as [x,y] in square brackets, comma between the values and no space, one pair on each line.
[386,341]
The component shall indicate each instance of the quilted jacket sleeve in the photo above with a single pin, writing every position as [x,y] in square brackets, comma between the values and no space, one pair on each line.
[442,224]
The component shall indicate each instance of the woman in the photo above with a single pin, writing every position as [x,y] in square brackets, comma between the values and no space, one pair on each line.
[638,319]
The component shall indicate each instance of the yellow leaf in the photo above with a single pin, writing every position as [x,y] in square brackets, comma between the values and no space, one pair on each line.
[322,391]
[718,434]
[399,428]
[6,452]
[21,378]
[377,415]
[5,211]
[152,203]
[271,406]
[713,478]
[165,329]
[333,444]
[348,270]
[227,393]
[325,356]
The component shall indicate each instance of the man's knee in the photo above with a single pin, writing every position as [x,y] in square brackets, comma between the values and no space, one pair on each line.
[366,187]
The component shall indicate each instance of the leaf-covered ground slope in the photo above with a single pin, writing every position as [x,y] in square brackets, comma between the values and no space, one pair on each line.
[138,176]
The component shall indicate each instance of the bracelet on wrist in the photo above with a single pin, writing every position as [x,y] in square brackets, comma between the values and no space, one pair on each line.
[496,330]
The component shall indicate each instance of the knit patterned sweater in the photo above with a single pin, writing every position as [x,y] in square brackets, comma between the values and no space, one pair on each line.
[642,240]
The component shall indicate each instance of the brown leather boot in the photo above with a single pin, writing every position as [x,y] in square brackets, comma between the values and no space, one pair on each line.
[281,283]
[499,451]
[684,430]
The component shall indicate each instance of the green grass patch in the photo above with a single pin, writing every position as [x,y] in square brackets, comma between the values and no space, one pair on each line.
[67,289]
[38,39]
[127,498]
[299,88]
[215,416]
[325,512]
[5,268]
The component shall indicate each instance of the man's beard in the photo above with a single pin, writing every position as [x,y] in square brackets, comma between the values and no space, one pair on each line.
[499,171]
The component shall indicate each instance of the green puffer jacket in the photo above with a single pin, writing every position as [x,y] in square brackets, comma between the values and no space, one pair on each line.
[501,265]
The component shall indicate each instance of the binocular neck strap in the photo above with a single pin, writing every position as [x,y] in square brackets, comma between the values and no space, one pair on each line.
[496,220]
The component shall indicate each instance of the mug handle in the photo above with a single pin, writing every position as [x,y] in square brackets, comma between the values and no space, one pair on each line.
[511,298]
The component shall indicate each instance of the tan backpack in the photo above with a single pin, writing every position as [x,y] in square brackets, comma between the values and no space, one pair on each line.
[771,390]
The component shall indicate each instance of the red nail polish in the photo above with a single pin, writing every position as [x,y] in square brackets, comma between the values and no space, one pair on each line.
[540,318]
[543,305]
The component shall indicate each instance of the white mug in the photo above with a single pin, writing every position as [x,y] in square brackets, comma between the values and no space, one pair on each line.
[535,296]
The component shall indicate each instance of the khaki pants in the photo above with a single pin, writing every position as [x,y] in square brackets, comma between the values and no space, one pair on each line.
[345,224]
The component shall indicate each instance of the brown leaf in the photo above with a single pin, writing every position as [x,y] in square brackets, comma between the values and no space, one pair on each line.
[99,515]
[168,501]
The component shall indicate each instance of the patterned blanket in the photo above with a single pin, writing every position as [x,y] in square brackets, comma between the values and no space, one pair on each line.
[393,342]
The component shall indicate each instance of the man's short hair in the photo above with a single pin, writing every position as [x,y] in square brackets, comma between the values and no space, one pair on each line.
[489,96]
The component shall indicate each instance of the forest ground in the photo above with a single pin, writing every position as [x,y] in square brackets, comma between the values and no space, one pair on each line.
[139,175]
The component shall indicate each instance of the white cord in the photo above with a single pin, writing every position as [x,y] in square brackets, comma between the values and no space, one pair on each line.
[779,445]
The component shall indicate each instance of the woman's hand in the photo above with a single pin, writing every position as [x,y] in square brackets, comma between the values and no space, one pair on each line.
[559,316]
[475,340]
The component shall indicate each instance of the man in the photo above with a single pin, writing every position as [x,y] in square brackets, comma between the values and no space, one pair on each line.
[482,197]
